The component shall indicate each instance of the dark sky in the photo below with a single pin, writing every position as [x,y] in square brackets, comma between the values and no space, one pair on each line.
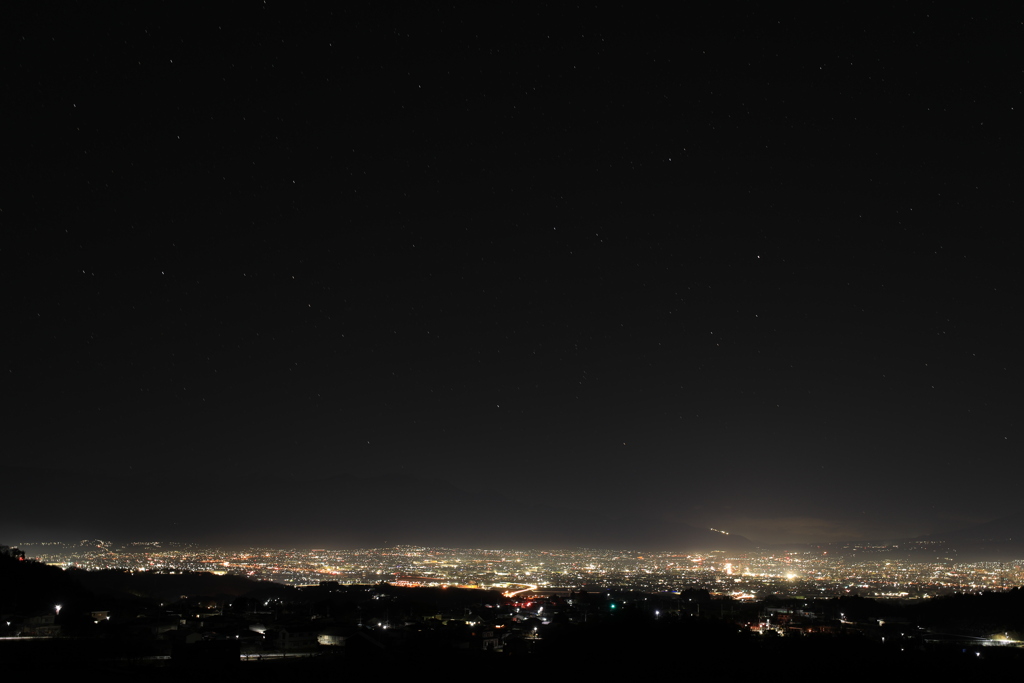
[748,268]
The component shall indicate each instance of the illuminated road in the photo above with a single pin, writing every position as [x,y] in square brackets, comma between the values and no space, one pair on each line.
[509,594]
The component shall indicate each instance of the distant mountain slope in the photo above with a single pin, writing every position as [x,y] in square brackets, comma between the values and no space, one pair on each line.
[1001,539]
[276,509]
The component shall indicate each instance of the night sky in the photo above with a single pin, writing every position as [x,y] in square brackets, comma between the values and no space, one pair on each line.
[749,269]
